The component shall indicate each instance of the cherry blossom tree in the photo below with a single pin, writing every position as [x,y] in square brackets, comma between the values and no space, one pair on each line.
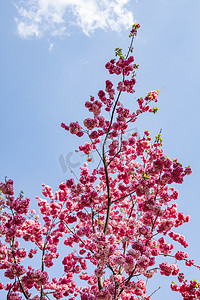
[111,222]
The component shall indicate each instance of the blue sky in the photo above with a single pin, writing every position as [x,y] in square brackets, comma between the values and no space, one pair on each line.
[52,59]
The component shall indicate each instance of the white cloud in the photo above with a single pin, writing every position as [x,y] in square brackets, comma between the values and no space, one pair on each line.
[57,17]
[51,47]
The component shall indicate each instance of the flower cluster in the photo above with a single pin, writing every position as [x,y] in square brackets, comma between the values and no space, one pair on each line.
[188,291]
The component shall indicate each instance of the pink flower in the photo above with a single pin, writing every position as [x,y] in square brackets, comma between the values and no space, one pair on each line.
[7,188]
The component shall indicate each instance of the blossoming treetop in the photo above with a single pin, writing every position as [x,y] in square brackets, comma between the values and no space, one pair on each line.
[113,220]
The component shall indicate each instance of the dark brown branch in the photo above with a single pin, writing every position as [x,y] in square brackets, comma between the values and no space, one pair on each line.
[93,227]
[128,279]
[15,261]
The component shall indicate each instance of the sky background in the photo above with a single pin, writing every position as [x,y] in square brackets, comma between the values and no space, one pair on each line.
[52,58]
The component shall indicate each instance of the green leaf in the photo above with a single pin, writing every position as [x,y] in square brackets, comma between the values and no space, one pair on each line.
[155,109]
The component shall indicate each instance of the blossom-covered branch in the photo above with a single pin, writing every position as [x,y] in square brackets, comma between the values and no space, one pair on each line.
[110,223]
